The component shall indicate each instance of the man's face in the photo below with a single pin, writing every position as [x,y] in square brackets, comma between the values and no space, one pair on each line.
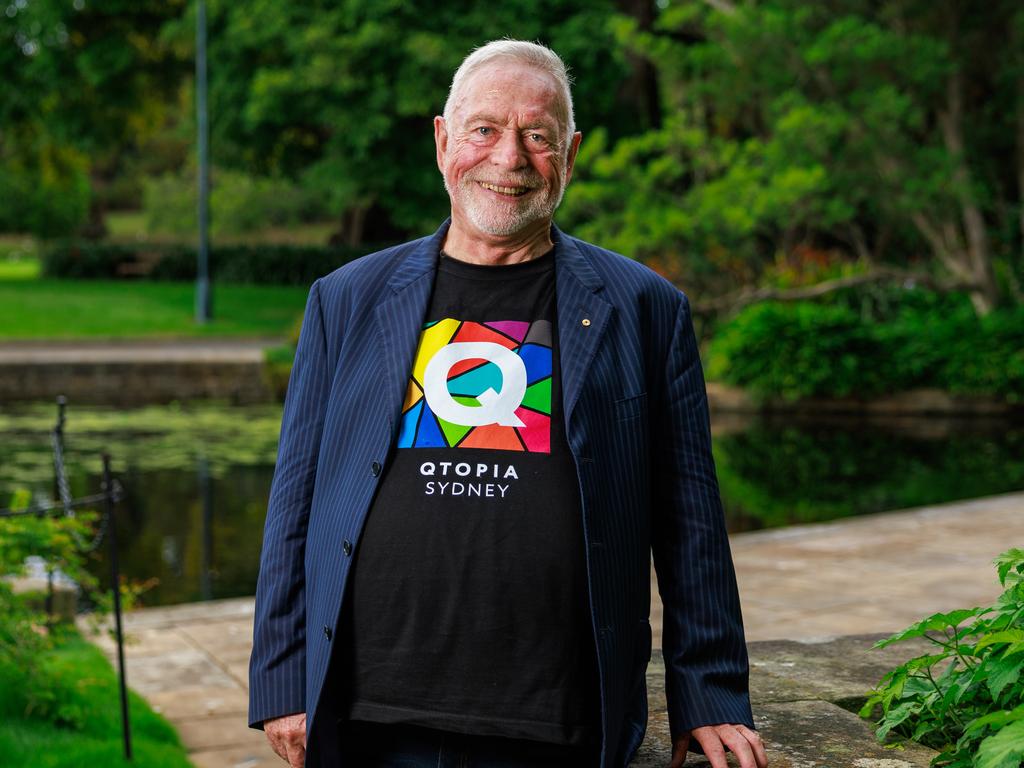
[503,156]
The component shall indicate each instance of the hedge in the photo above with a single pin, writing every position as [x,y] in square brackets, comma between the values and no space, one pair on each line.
[266,264]
[806,349]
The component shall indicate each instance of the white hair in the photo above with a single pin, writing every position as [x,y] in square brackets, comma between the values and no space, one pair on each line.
[534,55]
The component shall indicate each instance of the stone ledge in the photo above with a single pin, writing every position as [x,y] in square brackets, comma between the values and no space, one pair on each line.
[917,402]
[795,687]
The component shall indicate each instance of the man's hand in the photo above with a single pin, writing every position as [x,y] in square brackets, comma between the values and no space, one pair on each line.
[287,735]
[741,741]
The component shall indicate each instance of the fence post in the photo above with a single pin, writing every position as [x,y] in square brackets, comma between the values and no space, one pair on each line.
[115,586]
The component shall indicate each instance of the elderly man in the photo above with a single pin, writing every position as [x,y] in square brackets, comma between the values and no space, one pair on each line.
[486,434]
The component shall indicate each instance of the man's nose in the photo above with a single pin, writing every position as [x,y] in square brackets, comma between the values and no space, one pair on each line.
[509,151]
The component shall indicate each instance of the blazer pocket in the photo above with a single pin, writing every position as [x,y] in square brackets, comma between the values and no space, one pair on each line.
[630,407]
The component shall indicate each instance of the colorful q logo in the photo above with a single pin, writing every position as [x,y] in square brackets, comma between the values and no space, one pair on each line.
[495,407]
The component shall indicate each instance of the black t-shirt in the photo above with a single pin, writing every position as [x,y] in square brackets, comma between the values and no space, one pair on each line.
[468,604]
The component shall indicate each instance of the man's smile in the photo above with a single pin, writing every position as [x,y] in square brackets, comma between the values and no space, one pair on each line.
[502,190]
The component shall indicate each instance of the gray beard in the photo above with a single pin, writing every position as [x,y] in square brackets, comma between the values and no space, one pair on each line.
[501,220]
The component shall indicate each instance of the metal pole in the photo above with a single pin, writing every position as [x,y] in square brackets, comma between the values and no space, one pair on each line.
[204,300]
[206,499]
[60,489]
[115,586]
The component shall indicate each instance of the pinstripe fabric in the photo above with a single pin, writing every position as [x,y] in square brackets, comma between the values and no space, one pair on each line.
[637,425]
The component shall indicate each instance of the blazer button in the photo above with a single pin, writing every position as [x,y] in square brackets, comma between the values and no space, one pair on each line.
[346,547]
[327,632]
[375,468]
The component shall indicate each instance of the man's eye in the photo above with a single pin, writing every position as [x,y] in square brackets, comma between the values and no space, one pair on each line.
[537,138]
[483,130]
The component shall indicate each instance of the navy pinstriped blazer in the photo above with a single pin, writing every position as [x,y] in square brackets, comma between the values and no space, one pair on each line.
[637,425]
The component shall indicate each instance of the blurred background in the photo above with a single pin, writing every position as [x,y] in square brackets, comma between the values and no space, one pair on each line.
[836,185]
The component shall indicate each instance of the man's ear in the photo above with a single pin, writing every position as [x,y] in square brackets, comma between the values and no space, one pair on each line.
[571,159]
[440,141]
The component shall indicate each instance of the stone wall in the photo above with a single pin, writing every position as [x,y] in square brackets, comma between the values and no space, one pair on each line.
[804,696]
[125,383]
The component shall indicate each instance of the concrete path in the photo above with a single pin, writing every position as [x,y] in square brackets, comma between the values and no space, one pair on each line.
[872,574]
[102,351]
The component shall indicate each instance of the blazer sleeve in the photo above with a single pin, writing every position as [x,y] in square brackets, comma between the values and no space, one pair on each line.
[277,666]
[706,665]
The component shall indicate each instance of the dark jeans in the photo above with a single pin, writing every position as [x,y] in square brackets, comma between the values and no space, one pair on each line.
[375,745]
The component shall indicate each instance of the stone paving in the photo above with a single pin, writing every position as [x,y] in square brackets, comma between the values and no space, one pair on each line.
[814,598]
[241,350]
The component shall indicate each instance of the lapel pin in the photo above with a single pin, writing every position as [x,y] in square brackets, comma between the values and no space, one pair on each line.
[586,322]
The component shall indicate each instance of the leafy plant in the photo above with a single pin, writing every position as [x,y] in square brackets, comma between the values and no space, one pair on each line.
[25,632]
[967,698]
[818,349]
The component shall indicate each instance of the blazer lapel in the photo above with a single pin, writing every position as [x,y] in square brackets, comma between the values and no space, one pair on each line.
[583,315]
[400,320]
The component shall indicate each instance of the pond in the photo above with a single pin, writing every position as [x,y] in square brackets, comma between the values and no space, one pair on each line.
[197,478]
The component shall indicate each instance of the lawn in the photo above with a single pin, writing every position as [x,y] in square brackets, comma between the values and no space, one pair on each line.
[22,269]
[76,717]
[44,308]
[19,257]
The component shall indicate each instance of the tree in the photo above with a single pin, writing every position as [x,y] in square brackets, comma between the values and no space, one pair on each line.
[341,95]
[85,84]
[875,130]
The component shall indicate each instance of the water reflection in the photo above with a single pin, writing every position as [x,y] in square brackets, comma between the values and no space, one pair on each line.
[197,478]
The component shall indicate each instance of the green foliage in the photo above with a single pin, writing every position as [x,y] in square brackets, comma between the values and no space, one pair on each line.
[277,369]
[25,633]
[868,129]
[967,698]
[239,204]
[264,264]
[68,715]
[987,356]
[341,96]
[797,350]
[805,349]
[86,85]
[45,192]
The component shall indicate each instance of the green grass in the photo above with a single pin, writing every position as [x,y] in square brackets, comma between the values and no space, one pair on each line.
[19,257]
[75,720]
[23,269]
[32,309]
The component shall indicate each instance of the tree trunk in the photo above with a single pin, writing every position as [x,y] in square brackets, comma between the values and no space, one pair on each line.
[1019,42]
[351,226]
[641,89]
[977,254]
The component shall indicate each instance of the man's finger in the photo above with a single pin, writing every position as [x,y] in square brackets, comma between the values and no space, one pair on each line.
[275,744]
[739,745]
[679,751]
[296,755]
[757,744]
[712,746]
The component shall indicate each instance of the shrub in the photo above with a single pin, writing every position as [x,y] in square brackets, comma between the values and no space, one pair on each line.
[24,633]
[967,698]
[797,350]
[263,264]
[806,349]
[49,200]
[238,203]
[989,358]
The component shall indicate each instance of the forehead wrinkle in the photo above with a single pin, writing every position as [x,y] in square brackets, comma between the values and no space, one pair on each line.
[543,121]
